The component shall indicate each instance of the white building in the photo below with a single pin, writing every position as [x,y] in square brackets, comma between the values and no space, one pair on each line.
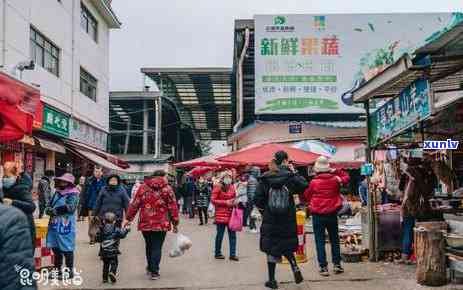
[72,65]
[69,42]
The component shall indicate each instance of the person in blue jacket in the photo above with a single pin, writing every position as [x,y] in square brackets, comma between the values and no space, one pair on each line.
[92,189]
[61,237]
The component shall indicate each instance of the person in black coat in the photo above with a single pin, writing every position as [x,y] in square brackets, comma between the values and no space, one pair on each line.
[16,252]
[279,230]
[109,238]
[112,198]
[17,192]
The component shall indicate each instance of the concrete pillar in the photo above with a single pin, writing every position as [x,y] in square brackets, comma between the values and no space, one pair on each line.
[145,127]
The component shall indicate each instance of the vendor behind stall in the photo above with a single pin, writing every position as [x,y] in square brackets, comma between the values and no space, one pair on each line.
[420,182]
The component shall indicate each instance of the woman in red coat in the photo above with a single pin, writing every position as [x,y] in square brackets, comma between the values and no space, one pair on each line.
[324,198]
[224,199]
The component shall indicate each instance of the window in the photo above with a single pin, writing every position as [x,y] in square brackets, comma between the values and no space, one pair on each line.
[88,22]
[44,53]
[88,84]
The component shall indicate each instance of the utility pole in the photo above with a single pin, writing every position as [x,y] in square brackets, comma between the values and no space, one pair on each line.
[158,111]
[127,136]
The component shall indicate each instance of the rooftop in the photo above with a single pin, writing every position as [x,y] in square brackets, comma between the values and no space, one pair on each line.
[202,95]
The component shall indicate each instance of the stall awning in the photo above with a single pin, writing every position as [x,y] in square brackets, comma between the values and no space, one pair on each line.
[109,158]
[98,160]
[50,145]
[18,102]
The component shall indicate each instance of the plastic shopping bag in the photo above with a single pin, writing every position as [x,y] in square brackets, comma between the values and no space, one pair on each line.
[181,245]
[211,210]
[236,220]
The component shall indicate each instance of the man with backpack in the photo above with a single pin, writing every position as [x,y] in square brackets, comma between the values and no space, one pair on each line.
[274,198]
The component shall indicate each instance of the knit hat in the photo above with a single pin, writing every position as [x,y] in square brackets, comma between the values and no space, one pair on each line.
[322,165]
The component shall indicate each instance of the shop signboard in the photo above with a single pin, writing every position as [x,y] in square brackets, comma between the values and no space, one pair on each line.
[55,122]
[311,64]
[87,134]
[412,105]
[295,128]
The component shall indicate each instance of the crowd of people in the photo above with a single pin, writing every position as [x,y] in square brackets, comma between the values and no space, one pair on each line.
[110,210]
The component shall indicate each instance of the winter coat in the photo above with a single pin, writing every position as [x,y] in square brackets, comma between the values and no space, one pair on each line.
[45,192]
[253,182]
[62,225]
[15,248]
[220,199]
[323,195]
[109,238]
[112,200]
[21,194]
[92,189]
[156,202]
[203,195]
[278,232]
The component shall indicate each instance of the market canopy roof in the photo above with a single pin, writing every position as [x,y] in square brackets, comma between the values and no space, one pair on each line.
[203,97]
[261,155]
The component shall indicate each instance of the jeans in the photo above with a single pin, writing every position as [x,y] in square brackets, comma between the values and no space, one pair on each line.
[60,256]
[153,246]
[109,266]
[189,206]
[329,223]
[219,238]
[203,211]
[408,224]
[247,216]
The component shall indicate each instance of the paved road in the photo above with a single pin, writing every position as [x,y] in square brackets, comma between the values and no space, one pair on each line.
[198,270]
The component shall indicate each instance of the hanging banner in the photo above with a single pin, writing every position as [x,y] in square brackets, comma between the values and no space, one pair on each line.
[410,107]
[311,63]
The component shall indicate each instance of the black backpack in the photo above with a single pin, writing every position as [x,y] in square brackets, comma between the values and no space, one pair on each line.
[278,200]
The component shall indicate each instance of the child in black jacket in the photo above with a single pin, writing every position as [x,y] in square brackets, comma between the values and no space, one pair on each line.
[109,237]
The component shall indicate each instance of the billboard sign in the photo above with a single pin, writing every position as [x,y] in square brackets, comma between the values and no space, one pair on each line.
[311,63]
[411,106]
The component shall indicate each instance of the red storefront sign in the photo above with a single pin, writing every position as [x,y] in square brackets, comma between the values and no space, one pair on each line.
[38,116]
[18,103]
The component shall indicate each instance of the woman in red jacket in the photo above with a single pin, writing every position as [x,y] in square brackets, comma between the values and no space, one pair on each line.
[324,199]
[224,199]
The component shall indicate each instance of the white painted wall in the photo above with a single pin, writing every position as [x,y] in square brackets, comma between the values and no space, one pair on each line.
[59,21]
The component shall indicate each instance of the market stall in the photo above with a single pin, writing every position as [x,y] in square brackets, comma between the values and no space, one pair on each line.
[413,137]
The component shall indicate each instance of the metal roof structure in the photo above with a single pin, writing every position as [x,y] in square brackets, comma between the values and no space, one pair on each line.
[203,97]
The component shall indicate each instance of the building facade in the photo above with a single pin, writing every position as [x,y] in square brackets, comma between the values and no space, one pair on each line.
[61,47]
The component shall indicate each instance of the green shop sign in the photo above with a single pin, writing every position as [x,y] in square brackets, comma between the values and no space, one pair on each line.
[411,106]
[55,122]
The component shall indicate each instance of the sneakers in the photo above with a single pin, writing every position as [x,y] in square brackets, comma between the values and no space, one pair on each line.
[298,278]
[338,269]
[112,278]
[324,272]
[271,284]
[155,276]
[220,257]
[234,258]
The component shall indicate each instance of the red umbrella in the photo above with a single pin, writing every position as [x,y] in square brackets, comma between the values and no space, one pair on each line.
[261,155]
[198,171]
[205,161]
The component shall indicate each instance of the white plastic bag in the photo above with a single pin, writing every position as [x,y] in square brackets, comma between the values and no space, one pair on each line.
[211,210]
[182,243]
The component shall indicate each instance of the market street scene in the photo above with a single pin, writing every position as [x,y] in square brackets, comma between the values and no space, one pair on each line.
[231,145]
